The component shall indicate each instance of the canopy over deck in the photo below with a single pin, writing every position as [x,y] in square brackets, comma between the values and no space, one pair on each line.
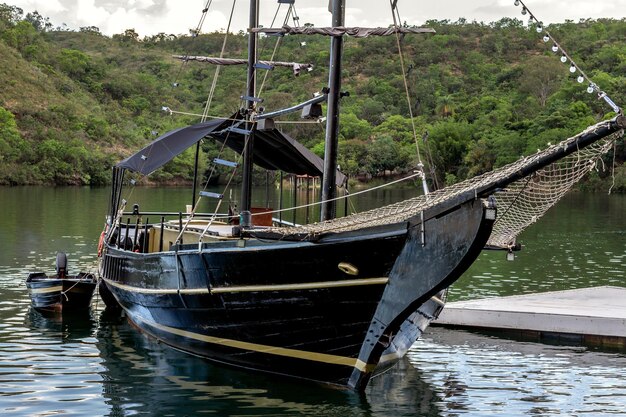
[273,149]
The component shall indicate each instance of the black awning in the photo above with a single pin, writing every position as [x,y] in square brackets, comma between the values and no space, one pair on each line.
[168,146]
[273,149]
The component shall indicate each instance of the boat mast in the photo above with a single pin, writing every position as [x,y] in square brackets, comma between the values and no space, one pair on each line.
[246,187]
[337,7]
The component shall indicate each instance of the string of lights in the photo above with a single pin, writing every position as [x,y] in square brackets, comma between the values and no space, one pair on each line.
[565,58]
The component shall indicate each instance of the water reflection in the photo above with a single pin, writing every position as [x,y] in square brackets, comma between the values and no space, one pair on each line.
[144,376]
[47,364]
[481,375]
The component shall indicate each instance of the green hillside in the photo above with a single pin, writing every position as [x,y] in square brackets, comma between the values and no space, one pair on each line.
[73,103]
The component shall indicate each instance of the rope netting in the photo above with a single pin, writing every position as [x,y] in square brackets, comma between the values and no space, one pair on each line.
[521,200]
[524,201]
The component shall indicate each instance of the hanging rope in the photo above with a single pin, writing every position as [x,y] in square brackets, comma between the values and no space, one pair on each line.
[396,18]
[276,45]
[209,100]
[195,33]
[420,165]
[205,115]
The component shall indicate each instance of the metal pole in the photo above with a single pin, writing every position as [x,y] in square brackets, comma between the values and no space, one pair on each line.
[307,197]
[329,190]
[195,177]
[345,206]
[294,200]
[267,189]
[161,237]
[246,187]
[280,200]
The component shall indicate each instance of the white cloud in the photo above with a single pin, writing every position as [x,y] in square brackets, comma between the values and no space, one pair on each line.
[43,7]
[86,11]
[175,16]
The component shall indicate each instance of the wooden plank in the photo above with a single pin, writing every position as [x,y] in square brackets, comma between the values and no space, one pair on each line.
[599,311]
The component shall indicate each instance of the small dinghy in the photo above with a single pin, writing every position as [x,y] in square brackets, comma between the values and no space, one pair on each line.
[60,292]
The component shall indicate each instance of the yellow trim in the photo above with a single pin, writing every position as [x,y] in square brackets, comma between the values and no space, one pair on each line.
[272,350]
[45,290]
[304,286]
[390,357]
[254,288]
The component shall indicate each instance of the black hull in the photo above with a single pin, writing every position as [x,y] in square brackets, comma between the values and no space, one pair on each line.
[53,294]
[336,311]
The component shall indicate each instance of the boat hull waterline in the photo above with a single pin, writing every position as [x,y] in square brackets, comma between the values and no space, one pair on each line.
[338,310]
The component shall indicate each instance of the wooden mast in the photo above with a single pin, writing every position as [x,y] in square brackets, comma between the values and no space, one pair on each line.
[332,117]
[246,187]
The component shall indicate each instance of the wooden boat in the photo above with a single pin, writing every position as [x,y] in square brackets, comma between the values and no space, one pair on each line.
[338,301]
[60,292]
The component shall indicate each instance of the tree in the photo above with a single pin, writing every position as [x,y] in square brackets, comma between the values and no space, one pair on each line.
[352,154]
[397,127]
[11,143]
[129,36]
[449,142]
[9,16]
[445,107]
[354,128]
[21,36]
[40,23]
[384,154]
[74,63]
[541,77]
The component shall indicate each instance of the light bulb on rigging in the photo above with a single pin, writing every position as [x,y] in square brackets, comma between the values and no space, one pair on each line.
[572,68]
[546,38]
[563,59]
[555,48]
[580,79]
[590,89]
[524,11]
[516,2]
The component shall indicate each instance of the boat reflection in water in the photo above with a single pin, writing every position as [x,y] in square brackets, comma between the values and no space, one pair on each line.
[145,376]
[67,328]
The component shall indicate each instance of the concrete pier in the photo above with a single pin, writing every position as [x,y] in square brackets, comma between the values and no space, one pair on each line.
[588,316]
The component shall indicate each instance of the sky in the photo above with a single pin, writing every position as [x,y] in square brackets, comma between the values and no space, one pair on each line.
[149,17]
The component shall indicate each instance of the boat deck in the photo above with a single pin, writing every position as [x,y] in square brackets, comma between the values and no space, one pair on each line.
[589,316]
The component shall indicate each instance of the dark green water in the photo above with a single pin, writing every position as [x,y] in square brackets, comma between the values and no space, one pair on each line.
[99,365]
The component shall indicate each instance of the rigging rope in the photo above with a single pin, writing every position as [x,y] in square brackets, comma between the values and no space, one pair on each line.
[319,203]
[396,18]
[521,203]
[209,100]
[290,11]
[195,33]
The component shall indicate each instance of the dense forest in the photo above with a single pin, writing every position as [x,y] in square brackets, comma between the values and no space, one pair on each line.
[72,103]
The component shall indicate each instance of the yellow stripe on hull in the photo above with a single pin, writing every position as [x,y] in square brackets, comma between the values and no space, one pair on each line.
[253,288]
[271,350]
[46,290]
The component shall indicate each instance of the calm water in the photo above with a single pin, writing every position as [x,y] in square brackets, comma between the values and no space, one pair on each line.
[99,365]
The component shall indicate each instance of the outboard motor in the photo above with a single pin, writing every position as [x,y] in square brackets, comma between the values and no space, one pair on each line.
[61,264]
